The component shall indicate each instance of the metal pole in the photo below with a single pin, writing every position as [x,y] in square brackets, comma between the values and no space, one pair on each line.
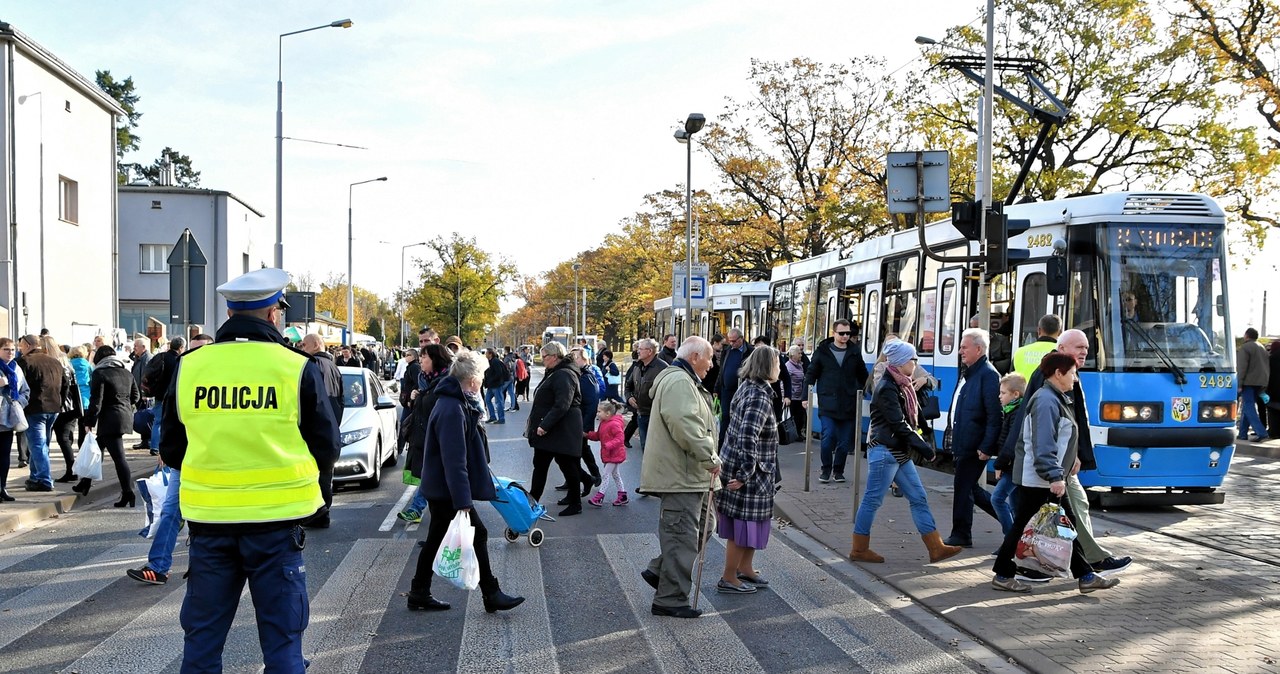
[689,233]
[984,160]
[576,267]
[279,256]
[704,535]
[808,436]
[351,306]
[857,454]
[403,250]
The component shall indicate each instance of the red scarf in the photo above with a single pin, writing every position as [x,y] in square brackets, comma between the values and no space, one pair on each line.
[904,382]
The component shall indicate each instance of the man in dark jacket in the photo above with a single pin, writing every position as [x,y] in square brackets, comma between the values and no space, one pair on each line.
[313,344]
[495,386]
[141,357]
[732,355]
[973,429]
[50,383]
[555,426]
[640,382]
[668,352]
[838,373]
[156,380]
[346,358]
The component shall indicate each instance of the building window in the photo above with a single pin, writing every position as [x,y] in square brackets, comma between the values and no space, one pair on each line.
[246,264]
[155,258]
[68,199]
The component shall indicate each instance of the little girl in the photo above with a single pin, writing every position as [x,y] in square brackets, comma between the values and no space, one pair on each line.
[612,451]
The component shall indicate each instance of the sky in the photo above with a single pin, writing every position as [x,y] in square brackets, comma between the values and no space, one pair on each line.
[534,126]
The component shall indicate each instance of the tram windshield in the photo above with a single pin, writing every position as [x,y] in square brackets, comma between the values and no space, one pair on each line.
[1165,291]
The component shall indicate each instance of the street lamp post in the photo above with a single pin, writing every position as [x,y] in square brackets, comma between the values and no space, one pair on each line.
[403,324]
[340,23]
[351,296]
[692,125]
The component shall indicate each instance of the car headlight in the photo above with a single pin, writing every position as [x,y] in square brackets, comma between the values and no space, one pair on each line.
[1218,412]
[355,436]
[1133,413]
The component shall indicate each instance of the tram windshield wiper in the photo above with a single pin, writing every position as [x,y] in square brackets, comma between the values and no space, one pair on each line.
[1179,377]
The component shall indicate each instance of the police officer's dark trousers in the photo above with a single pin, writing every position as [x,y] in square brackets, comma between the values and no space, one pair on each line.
[272,563]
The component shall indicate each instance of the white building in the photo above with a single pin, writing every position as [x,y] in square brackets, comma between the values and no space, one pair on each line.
[233,235]
[58,166]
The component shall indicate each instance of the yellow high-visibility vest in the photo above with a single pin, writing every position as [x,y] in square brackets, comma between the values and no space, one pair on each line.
[246,460]
[1027,358]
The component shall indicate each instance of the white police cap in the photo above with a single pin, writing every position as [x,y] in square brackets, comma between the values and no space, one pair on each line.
[256,290]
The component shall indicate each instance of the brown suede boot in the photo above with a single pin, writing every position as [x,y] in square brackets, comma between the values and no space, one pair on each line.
[862,552]
[938,550]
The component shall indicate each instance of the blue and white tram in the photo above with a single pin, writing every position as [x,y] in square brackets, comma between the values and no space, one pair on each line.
[1160,378]
[733,305]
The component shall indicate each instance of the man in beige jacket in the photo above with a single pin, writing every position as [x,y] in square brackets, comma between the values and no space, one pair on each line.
[681,463]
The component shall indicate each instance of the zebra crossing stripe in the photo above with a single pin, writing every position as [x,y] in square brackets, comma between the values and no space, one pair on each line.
[12,556]
[346,612]
[865,632]
[707,647]
[390,520]
[511,641]
[42,603]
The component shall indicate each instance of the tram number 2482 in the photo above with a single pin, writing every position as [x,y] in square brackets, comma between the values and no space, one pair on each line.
[1215,381]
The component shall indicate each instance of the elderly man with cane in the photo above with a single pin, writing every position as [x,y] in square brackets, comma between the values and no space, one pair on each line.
[680,466]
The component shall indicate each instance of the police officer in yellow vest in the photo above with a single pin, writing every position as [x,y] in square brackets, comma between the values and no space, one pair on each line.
[249,424]
[1027,358]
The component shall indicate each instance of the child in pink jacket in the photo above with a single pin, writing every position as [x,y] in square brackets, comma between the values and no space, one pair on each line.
[612,451]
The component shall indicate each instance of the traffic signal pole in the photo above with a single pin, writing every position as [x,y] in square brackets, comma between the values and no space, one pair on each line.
[984,162]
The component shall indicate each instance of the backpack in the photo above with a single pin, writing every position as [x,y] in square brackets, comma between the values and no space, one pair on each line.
[153,376]
[601,386]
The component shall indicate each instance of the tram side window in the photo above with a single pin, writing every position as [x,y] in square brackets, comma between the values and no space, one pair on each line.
[780,313]
[901,298]
[929,307]
[1082,305]
[871,331]
[1035,304]
[829,286]
[1002,296]
[950,316]
[804,305]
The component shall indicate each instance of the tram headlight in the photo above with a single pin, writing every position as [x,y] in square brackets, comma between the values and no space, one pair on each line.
[1218,412]
[1133,413]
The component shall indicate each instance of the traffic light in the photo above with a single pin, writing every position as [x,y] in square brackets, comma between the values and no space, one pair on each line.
[964,217]
[999,229]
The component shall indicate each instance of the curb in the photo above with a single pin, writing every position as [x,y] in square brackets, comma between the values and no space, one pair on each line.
[27,511]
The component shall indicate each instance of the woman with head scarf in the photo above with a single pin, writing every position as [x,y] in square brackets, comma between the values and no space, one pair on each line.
[893,438]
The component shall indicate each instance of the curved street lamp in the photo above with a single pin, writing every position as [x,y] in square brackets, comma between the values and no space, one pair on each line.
[340,23]
[351,304]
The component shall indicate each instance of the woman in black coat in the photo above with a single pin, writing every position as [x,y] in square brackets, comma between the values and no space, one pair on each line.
[112,395]
[555,426]
[455,475]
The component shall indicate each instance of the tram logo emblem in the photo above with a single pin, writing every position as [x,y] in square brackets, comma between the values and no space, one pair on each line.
[1181,409]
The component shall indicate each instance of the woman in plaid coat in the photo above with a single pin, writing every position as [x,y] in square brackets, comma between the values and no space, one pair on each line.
[750,472]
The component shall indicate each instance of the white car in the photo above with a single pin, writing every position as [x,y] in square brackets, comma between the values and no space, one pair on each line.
[368,429]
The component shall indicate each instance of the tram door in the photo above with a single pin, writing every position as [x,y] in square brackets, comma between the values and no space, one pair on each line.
[872,331]
[951,323]
[1031,303]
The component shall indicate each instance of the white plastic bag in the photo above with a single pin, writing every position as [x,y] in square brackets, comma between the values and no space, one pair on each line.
[456,559]
[89,460]
[153,490]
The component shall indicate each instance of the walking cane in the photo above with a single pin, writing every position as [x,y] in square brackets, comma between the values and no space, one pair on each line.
[704,534]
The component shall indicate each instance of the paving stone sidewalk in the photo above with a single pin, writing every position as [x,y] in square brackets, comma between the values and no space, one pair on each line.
[1179,607]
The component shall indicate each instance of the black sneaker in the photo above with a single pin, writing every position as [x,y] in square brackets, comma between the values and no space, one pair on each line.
[1112,565]
[148,576]
[824,478]
[1031,576]
[838,477]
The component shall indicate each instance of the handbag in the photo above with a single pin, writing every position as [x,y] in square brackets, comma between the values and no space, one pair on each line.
[153,490]
[89,460]
[1045,545]
[787,432]
[456,559]
[14,417]
[929,407]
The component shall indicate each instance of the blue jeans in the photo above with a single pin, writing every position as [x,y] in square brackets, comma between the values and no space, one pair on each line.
[492,399]
[277,576]
[509,393]
[38,433]
[158,407]
[883,470]
[160,557]
[1248,417]
[419,502]
[642,425]
[1002,499]
[837,440]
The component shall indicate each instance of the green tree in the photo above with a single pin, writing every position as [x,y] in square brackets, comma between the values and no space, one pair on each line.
[184,175]
[459,291]
[126,140]
[332,298]
[1148,110]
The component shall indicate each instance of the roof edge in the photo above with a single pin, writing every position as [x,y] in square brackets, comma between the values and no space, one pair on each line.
[60,67]
[175,189]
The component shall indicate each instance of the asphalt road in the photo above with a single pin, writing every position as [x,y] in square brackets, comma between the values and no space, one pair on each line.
[66,606]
